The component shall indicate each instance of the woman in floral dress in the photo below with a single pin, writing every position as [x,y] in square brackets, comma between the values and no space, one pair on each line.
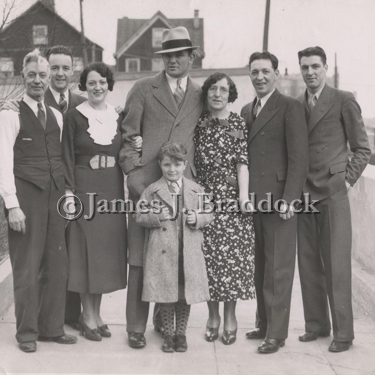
[221,161]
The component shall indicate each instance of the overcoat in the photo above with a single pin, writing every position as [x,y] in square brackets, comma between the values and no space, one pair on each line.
[160,281]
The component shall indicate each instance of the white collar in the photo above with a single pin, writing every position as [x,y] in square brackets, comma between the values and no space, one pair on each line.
[264,100]
[173,82]
[317,94]
[102,124]
[56,95]
[33,104]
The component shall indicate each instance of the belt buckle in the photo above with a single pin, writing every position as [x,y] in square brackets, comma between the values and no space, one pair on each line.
[102,161]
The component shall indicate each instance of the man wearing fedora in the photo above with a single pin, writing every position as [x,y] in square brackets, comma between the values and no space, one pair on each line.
[160,108]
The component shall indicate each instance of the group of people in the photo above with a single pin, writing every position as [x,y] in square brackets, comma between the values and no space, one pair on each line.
[175,140]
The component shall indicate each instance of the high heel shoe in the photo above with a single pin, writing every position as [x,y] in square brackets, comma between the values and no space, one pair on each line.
[104,331]
[212,334]
[85,330]
[229,337]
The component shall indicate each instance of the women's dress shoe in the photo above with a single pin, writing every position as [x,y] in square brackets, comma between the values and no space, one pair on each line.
[73,323]
[104,331]
[168,345]
[271,346]
[212,333]
[159,329]
[85,330]
[339,346]
[63,339]
[136,340]
[28,347]
[312,336]
[257,333]
[229,337]
[180,344]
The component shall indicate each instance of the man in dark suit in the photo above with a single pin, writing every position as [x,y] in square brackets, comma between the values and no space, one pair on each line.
[278,164]
[324,241]
[160,108]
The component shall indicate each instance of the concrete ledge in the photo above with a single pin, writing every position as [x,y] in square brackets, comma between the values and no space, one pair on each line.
[6,286]
[363,285]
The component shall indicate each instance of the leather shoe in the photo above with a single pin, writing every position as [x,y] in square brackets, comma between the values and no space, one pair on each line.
[28,347]
[63,339]
[270,346]
[104,331]
[312,336]
[180,344]
[159,329]
[136,340]
[257,333]
[229,337]
[339,346]
[72,323]
[168,345]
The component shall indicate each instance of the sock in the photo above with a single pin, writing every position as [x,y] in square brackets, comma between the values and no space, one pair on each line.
[167,318]
[182,317]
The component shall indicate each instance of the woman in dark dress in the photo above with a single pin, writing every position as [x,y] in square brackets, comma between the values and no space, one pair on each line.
[221,160]
[91,142]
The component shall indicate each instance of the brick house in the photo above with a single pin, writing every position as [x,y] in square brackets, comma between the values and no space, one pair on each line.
[138,39]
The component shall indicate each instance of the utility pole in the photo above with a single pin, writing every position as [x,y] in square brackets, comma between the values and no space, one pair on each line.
[336,76]
[266,25]
[83,39]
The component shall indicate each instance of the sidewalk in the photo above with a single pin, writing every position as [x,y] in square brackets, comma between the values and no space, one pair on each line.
[113,356]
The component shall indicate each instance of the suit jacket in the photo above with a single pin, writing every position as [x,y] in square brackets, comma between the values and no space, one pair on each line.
[278,148]
[74,100]
[151,111]
[335,120]
[160,280]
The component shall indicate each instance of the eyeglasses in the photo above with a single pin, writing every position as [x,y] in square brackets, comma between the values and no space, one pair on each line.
[223,91]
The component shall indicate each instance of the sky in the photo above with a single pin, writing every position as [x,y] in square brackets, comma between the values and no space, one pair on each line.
[234,29]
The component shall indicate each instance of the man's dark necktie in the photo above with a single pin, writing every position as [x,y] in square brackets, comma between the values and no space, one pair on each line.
[175,187]
[256,109]
[41,115]
[179,93]
[63,103]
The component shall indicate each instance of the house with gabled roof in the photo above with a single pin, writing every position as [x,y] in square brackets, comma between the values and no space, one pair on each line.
[41,27]
[139,39]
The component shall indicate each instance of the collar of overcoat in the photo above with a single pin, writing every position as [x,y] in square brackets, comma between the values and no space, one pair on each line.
[323,105]
[164,95]
[189,189]
[265,115]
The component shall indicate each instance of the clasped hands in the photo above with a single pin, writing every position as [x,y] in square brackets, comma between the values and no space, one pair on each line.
[191,216]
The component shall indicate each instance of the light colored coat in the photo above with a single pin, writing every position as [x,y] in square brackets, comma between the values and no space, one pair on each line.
[160,280]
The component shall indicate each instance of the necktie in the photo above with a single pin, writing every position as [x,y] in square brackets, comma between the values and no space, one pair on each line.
[312,102]
[256,109]
[63,103]
[175,187]
[179,93]
[41,115]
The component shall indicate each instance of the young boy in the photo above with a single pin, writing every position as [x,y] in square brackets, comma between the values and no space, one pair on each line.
[174,267]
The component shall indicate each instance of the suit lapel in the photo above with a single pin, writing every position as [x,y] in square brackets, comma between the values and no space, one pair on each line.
[72,102]
[163,93]
[265,115]
[190,194]
[50,100]
[322,106]
[161,188]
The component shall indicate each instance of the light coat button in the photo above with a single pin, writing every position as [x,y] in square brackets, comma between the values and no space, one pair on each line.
[262,174]
[317,150]
[262,133]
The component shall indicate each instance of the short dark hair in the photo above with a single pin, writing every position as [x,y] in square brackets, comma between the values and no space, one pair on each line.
[102,69]
[59,50]
[212,79]
[265,55]
[313,51]
[174,150]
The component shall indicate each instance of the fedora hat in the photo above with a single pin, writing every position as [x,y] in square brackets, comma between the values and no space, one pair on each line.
[177,39]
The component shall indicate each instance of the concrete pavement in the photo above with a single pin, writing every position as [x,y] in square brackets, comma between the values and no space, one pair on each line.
[113,356]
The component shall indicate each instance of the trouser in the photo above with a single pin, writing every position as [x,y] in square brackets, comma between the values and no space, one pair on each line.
[275,254]
[324,261]
[136,309]
[72,306]
[40,263]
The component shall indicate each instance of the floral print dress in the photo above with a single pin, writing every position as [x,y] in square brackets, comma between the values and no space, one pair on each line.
[229,239]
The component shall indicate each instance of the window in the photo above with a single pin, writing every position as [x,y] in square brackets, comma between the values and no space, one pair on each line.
[6,67]
[156,37]
[77,64]
[132,65]
[157,65]
[40,34]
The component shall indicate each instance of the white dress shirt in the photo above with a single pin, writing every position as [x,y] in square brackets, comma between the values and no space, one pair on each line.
[263,101]
[317,94]
[173,83]
[56,95]
[179,183]
[9,129]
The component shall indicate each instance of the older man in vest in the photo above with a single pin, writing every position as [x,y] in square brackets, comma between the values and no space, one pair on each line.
[31,183]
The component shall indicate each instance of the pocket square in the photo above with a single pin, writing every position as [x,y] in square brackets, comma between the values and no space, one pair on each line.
[27,139]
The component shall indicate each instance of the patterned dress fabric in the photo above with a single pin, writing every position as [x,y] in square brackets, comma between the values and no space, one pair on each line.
[229,239]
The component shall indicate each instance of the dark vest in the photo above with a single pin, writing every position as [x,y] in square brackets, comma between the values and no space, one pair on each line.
[37,152]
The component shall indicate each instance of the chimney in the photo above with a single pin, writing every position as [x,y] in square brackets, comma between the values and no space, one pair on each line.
[286,71]
[49,4]
[196,19]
